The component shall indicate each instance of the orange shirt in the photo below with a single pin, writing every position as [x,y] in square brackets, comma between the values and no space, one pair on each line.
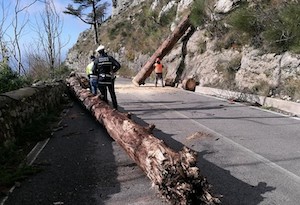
[158,67]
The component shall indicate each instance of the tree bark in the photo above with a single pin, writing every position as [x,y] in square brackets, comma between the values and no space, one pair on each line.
[189,84]
[174,174]
[95,25]
[163,50]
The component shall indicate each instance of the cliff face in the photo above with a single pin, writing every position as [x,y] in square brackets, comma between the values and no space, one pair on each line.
[121,5]
[198,55]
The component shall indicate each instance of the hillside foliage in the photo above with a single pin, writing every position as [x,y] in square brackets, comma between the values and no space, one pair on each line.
[9,79]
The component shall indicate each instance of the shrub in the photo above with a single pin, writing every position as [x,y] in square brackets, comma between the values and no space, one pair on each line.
[9,80]
[230,40]
[261,88]
[248,23]
[198,14]
[130,55]
[120,28]
[245,20]
[228,71]
[291,88]
[284,33]
[61,72]
[167,17]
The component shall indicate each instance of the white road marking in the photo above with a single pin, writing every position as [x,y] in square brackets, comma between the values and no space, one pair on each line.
[260,158]
[35,152]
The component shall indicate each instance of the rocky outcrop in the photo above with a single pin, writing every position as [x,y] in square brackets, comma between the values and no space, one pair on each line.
[121,5]
[200,57]
[224,6]
[252,66]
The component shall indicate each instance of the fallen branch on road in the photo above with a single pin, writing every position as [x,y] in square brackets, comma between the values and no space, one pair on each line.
[174,173]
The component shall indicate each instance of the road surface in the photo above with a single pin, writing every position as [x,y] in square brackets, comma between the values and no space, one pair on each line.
[250,156]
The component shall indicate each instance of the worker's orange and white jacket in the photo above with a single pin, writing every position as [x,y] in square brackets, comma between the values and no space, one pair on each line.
[158,67]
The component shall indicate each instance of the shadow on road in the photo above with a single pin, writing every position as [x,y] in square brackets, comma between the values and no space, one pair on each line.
[233,190]
[78,165]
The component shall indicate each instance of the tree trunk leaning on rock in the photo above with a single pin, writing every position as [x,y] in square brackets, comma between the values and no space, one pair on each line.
[174,174]
[163,50]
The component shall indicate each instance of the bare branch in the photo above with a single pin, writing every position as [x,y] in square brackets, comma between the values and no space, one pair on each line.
[48,29]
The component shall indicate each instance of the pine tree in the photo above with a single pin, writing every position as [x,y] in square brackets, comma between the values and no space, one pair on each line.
[94,18]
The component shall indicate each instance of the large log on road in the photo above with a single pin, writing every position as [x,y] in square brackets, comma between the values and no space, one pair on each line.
[174,173]
[163,50]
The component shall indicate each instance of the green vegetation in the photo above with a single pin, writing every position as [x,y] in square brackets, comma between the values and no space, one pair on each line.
[228,71]
[261,88]
[9,80]
[198,14]
[89,12]
[291,88]
[61,72]
[273,27]
[283,33]
[168,17]
[245,20]
[121,28]
[138,30]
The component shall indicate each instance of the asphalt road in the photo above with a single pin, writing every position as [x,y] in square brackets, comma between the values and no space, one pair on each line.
[82,165]
[250,156]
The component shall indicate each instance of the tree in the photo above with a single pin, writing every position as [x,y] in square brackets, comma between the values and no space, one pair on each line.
[94,18]
[9,80]
[11,48]
[48,28]
[4,57]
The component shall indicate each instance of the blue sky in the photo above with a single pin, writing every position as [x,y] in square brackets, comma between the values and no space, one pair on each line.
[72,26]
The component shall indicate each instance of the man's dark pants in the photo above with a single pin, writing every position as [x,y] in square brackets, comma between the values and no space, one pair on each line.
[111,89]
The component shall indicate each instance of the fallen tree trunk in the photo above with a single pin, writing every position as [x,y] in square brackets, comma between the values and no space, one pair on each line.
[189,84]
[174,173]
[163,50]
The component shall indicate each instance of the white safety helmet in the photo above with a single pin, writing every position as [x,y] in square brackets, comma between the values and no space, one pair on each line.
[101,47]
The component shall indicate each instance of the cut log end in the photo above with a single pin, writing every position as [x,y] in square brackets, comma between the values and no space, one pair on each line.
[136,83]
[182,183]
[189,84]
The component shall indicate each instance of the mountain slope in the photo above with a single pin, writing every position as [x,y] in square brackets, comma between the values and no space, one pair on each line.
[231,47]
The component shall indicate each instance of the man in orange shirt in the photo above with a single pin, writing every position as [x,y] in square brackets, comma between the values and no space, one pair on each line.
[158,69]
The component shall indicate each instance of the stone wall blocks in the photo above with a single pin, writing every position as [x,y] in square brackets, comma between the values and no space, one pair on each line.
[19,107]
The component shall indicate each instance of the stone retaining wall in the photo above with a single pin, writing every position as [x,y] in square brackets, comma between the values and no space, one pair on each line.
[17,108]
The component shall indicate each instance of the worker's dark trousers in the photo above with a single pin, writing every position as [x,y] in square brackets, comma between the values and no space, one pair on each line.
[159,76]
[111,89]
